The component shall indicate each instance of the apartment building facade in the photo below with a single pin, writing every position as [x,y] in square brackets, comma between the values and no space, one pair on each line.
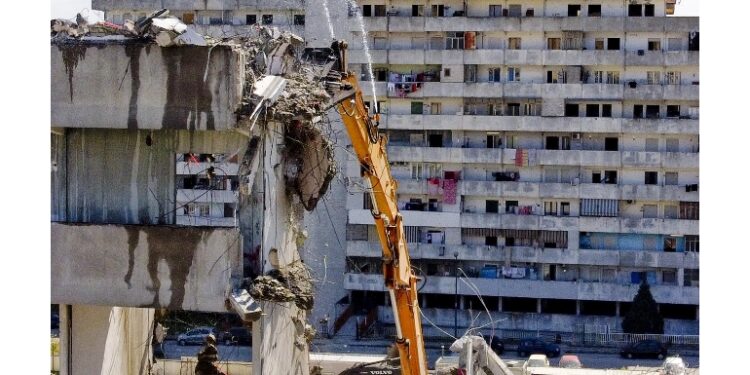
[547,159]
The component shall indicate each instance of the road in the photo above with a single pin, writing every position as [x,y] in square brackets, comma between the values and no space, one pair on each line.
[612,361]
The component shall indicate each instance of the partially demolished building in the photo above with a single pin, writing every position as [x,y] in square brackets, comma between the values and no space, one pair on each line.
[142,135]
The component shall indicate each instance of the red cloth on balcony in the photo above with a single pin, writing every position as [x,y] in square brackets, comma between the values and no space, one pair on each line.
[449,191]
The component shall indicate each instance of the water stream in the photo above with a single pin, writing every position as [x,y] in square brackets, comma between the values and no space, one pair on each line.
[353,5]
[328,18]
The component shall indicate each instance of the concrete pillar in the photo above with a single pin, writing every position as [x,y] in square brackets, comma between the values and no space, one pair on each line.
[500,304]
[461,302]
[539,305]
[578,307]
[424,299]
[387,299]
[617,309]
[681,276]
[573,239]
[697,313]
[65,339]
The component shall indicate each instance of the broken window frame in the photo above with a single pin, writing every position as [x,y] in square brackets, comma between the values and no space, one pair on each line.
[267,19]
[299,19]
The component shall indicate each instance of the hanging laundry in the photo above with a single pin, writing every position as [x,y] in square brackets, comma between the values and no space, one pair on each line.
[433,186]
[391,87]
[449,191]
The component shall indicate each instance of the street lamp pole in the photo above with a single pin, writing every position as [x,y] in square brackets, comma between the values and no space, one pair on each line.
[455,299]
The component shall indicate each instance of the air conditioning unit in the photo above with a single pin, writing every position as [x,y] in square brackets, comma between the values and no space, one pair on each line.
[576,135]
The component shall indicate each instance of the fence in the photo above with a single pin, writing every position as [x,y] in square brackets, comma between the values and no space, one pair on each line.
[626,338]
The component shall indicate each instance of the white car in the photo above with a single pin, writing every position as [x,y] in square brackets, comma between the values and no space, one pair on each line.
[536,360]
[674,366]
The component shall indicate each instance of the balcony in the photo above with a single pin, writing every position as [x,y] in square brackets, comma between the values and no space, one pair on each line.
[116,265]
[563,57]
[358,56]
[662,92]
[590,291]
[596,257]
[674,227]
[411,218]
[666,126]
[513,221]
[659,58]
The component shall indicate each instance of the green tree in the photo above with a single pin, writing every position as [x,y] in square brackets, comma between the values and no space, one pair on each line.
[643,317]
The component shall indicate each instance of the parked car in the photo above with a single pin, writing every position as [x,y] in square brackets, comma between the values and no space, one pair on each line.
[195,336]
[569,361]
[495,344]
[674,365]
[537,346]
[644,348]
[536,360]
[235,336]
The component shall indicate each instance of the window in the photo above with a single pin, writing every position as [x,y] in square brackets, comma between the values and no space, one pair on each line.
[495,74]
[610,177]
[299,19]
[514,74]
[367,10]
[513,109]
[446,72]
[606,110]
[565,208]
[691,243]
[379,10]
[672,78]
[635,10]
[496,10]
[550,208]
[652,145]
[674,44]
[574,10]
[613,44]
[494,140]
[654,44]
[598,76]
[229,210]
[669,277]
[251,19]
[613,78]
[689,210]
[653,78]
[670,178]
[435,108]
[611,144]
[592,110]
[650,211]
[599,43]
[673,111]
[187,18]
[416,171]
[694,41]
[514,10]
[490,240]
[553,43]
[649,10]
[417,10]
[379,43]
[454,40]
[416,108]
[552,143]
[673,145]
[637,111]
[670,244]
[491,206]
[511,206]
[671,211]
[596,177]
[571,110]
[514,43]
[438,10]
[652,111]
[267,19]
[470,73]
[651,178]
[595,10]
[435,140]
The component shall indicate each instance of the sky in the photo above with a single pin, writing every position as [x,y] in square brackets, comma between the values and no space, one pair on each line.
[69,8]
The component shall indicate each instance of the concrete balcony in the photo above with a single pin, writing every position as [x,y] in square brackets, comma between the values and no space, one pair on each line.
[590,291]
[659,58]
[358,56]
[577,158]
[563,57]
[596,257]
[406,56]
[121,265]
[371,24]
[659,92]
[510,221]
[644,226]
[482,56]
[381,89]
[405,24]
[411,218]
[99,90]
[205,221]
[449,57]
[666,126]
[523,57]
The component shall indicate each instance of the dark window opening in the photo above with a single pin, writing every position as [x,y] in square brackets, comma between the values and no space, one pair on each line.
[670,244]
[638,111]
[559,306]
[519,304]
[490,241]
[610,177]
[511,206]
[606,110]
[652,111]
[267,19]
[565,208]
[189,182]
[417,10]
[379,10]
[651,178]
[416,108]
[693,40]
[571,110]
[610,144]
[691,243]
[491,206]
[510,241]
[251,19]
[595,10]
[673,111]
[438,301]
[592,110]
[675,311]
[635,10]
[605,308]
[367,10]
[649,10]
[574,10]
[228,209]
[596,177]
[299,19]
[552,143]
[613,44]
[435,140]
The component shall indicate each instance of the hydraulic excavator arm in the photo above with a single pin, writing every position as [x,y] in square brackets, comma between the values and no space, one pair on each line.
[370,149]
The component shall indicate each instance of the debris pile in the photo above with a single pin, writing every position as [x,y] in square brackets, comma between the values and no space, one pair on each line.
[290,284]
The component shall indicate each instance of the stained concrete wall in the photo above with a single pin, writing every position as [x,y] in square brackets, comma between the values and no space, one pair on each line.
[186,268]
[110,340]
[143,86]
[125,176]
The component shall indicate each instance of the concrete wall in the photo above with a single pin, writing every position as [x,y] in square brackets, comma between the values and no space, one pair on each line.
[185,268]
[143,86]
[110,340]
